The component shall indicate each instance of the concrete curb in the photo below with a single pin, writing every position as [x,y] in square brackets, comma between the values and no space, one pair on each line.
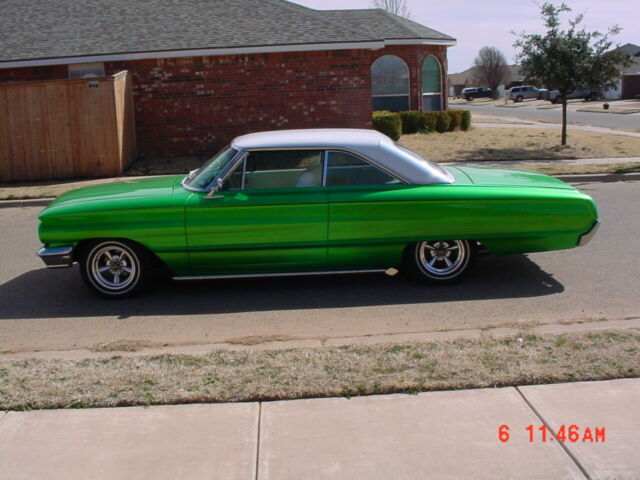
[34,202]
[389,338]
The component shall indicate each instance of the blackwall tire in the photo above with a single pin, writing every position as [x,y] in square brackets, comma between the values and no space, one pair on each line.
[114,268]
[441,261]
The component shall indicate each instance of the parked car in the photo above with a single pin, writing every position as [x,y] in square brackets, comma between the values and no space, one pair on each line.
[586,93]
[309,202]
[476,92]
[518,94]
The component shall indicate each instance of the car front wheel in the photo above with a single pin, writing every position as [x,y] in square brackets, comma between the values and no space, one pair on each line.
[441,261]
[113,268]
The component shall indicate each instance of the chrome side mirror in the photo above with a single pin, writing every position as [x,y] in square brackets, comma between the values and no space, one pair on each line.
[214,189]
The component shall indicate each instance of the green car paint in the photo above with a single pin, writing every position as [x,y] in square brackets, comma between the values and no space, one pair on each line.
[321,228]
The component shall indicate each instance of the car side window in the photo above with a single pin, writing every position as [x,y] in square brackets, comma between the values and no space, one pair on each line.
[263,169]
[344,169]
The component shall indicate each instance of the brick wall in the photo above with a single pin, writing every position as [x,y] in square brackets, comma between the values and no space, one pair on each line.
[194,106]
[630,86]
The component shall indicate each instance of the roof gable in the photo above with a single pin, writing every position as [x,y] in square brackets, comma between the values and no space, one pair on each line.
[630,49]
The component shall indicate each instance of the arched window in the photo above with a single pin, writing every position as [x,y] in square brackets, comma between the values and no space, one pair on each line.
[431,84]
[390,84]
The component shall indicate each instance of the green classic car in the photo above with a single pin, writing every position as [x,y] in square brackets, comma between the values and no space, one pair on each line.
[309,202]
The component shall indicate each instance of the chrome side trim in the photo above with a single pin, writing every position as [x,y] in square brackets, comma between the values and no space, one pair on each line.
[61,257]
[586,238]
[279,274]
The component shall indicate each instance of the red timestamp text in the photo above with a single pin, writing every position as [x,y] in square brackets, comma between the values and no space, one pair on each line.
[565,433]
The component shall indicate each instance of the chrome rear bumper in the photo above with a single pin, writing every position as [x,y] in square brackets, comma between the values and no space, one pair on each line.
[586,237]
[57,257]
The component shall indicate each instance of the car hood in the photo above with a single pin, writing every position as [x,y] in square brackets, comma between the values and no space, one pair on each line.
[127,189]
[506,177]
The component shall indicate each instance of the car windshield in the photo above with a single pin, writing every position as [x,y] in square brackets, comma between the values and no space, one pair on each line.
[202,177]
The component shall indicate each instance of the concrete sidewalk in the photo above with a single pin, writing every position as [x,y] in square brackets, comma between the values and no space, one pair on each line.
[431,435]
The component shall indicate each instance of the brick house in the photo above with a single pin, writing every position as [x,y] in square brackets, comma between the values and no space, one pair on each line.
[205,71]
[630,77]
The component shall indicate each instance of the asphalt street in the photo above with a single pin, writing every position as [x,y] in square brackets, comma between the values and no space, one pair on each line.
[52,310]
[531,112]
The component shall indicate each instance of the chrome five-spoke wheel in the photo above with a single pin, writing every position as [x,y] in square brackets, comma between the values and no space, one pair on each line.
[112,268]
[442,261]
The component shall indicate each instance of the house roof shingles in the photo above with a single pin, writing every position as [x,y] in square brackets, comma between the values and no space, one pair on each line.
[35,29]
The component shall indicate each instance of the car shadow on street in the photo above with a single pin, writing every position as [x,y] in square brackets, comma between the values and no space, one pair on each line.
[57,294]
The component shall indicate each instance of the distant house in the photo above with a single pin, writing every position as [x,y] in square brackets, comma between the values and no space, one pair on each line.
[206,71]
[629,82]
[458,81]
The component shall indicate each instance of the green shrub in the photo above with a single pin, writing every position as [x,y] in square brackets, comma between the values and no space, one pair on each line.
[431,118]
[413,121]
[465,123]
[456,119]
[388,123]
[442,122]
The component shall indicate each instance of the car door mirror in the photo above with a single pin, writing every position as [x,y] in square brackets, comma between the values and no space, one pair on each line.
[214,189]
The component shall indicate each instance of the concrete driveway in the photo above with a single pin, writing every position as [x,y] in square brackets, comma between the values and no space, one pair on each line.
[52,310]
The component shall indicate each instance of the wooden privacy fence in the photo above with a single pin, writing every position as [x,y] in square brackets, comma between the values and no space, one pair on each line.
[66,128]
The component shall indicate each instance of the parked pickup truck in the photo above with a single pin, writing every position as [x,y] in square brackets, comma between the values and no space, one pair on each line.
[554,95]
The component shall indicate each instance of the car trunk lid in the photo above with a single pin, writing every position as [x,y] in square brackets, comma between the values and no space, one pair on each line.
[505,177]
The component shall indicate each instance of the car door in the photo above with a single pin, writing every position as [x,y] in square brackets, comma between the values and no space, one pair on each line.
[269,216]
[364,213]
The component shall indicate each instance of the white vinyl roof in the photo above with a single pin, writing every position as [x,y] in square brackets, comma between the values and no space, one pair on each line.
[370,144]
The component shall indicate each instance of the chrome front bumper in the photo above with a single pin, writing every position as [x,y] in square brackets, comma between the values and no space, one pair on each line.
[57,257]
[586,237]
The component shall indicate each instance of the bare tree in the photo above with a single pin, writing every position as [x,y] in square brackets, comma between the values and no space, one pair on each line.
[491,68]
[397,7]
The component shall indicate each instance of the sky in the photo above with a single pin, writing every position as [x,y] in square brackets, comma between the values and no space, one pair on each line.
[478,24]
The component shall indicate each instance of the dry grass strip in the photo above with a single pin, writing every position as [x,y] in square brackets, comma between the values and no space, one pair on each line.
[231,376]
[495,144]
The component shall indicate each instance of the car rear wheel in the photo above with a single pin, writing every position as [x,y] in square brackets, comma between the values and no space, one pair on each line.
[441,261]
[113,268]
[470,98]
[519,98]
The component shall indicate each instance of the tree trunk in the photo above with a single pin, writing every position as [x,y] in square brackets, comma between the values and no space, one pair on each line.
[564,121]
